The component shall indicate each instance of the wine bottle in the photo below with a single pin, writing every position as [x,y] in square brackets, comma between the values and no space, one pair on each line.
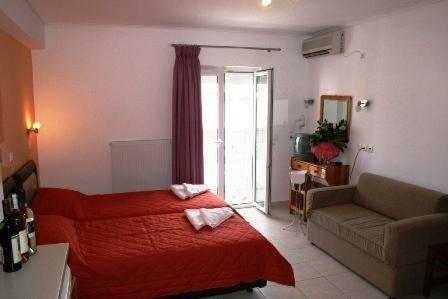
[29,222]
[2,226]
[9,237]
[20,220]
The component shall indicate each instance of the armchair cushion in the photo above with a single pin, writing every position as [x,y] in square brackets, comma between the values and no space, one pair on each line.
[357,225]
[406,241]
[328,196]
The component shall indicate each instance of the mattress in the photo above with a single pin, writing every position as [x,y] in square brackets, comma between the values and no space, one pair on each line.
[78,206]
[162,254]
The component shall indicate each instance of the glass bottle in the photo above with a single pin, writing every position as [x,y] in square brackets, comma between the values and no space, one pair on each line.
[29,221]
[20,220]
[9,239]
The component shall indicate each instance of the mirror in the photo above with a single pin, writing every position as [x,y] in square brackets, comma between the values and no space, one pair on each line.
[336,108]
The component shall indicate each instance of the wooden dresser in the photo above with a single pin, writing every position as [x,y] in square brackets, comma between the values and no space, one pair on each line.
[333,175]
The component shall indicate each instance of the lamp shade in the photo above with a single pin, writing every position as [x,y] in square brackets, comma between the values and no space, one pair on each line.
[297,176]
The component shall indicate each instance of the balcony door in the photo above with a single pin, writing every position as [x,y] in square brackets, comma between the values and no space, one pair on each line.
[237,124]
[263,105]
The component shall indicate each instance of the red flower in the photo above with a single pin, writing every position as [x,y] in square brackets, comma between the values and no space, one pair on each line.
[325,151]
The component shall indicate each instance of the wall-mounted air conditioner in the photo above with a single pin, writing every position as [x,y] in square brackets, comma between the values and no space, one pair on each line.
[323,44]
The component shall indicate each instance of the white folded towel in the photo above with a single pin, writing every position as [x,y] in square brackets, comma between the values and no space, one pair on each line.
[186,191]
[193,190]
[214,217]
[180,192]
[211,217]
[195,218]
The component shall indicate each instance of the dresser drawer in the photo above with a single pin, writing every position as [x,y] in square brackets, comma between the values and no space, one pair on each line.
[299,165]
[317,171]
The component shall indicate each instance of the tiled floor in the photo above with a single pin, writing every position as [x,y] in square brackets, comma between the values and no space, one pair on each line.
[317,275]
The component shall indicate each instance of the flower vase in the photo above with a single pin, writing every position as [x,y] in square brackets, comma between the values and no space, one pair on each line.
[325,151]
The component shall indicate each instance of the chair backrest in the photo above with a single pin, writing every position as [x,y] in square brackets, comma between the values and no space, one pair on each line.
[396,199]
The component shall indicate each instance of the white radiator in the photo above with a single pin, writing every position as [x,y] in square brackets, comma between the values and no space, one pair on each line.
[140,165]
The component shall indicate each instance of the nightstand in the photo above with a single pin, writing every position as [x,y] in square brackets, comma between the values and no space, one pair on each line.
[45,275]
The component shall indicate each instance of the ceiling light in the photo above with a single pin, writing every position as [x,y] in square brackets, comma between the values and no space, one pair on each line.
[266,3]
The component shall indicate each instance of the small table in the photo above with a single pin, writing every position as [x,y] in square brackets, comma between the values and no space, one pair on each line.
[437,262]
[45,275]
[333,175]
[297,202]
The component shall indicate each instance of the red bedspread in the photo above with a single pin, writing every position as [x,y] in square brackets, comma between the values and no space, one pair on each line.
[159,255]
[78,206]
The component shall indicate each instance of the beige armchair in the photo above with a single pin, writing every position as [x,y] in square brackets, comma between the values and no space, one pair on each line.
[380,228]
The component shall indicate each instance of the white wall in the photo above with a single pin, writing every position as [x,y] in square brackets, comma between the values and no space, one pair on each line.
[19,20]
[405,73]
[97,84]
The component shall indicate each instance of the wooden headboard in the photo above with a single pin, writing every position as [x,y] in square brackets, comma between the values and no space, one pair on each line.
[9,186]
[25,177]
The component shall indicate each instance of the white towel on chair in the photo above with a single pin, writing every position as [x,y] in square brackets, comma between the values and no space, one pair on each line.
[186,191]
[211,217]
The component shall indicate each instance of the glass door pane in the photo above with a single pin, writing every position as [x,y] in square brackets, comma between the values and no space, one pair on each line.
[263,128]
[210,125]
[239,120]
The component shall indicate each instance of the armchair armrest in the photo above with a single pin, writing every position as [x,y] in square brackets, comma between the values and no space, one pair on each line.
[406,241]
[328,196]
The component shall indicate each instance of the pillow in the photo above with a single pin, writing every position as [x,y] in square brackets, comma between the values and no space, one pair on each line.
[55,201]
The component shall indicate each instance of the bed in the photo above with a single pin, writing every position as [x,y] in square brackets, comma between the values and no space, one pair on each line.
[79,206]
[141,245]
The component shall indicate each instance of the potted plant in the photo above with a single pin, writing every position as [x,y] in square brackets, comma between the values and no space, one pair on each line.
[329,140]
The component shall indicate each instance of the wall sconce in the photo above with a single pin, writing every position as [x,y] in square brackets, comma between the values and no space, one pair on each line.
[362,104]
[34,128]
[266,3]
[308,102]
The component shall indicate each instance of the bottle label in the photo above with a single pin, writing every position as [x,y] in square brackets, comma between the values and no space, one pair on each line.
[23,237]
[17,257]
[30,225]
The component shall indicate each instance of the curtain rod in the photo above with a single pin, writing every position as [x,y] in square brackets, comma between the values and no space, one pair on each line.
[230,47]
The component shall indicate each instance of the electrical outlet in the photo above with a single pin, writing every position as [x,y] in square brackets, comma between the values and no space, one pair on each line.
[365,147]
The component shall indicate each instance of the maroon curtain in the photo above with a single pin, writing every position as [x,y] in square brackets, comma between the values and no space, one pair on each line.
[187,151]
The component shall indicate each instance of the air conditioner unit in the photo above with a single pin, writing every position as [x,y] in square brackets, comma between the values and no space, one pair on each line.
[323,44]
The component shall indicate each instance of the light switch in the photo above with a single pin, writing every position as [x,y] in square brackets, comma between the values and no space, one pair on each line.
[11,157]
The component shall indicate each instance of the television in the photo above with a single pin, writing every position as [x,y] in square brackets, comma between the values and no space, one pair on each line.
[301,147]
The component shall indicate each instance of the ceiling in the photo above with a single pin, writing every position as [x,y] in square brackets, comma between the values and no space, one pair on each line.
[290,16]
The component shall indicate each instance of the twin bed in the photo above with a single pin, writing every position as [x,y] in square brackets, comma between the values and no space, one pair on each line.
[141,245]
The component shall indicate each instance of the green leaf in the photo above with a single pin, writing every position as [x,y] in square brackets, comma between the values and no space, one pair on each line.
[329,132]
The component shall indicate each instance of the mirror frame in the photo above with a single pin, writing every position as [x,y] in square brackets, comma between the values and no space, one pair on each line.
[347,99]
